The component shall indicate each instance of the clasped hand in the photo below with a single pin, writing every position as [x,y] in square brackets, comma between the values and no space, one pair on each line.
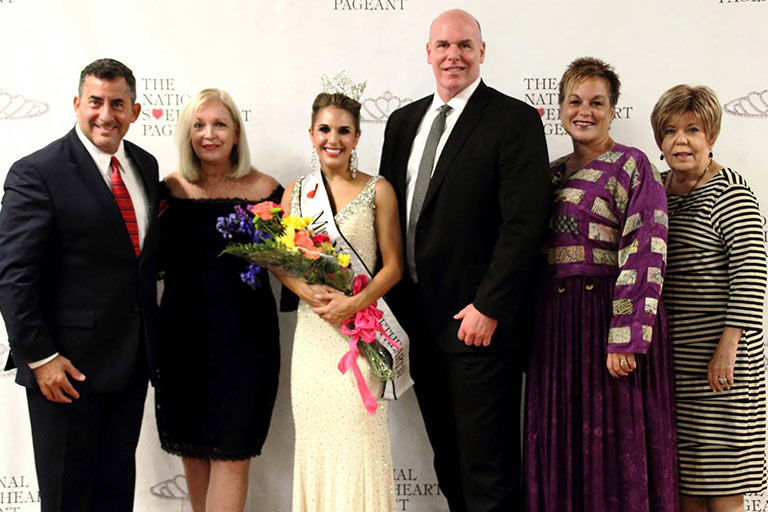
[331,305]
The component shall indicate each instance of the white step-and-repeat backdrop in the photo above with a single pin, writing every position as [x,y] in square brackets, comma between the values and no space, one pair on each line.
[270,55]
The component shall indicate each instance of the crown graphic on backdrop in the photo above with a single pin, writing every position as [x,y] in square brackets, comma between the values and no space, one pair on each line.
[378,110]
[754,104]
[172,489]
[19,107]
[342,84]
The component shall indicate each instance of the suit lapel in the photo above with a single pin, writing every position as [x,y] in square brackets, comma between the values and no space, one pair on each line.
[471,115]
[404,144]
[91,175]
[97,188]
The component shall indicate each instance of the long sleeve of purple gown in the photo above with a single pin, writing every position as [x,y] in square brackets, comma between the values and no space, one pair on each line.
[642,257]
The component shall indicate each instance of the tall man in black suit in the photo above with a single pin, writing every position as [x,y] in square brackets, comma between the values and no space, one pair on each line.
[77,292]
[471,180]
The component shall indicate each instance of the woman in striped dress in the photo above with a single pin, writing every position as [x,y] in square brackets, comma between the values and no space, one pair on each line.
[714,290]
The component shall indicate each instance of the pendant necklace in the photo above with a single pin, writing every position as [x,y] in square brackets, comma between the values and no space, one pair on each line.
[684,204]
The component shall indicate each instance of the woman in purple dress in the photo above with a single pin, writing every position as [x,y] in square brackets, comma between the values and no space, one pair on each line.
[600,430]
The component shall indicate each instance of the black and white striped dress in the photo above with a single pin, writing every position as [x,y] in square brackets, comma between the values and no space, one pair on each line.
[716,277]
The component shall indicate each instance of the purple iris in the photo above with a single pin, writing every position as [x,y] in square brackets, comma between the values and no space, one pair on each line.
[238,223]
[251,276]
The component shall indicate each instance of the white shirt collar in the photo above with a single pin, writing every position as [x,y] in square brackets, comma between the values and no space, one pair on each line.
[101,158]
[458,102]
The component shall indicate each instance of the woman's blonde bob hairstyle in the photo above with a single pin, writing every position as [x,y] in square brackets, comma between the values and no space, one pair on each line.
[189,163]
[700,101]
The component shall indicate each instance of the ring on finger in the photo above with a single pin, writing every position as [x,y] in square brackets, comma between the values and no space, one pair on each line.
[721,380]
[623,362]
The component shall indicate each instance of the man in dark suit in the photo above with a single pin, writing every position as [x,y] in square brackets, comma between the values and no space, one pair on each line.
[471,181]
[77,293]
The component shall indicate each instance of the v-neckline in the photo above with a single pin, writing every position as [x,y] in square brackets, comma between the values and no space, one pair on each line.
[350,203]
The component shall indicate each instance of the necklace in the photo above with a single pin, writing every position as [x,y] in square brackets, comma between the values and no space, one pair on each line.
[696,184]
[685,200]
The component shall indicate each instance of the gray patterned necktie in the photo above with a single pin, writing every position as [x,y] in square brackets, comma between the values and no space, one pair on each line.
[426,165]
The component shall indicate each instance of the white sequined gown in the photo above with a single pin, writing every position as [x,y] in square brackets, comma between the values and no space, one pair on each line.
[342,461]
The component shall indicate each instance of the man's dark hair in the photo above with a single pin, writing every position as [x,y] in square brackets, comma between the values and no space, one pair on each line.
[108,69]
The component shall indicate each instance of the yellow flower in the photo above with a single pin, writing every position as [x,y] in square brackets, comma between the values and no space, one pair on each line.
[287,238]
[296,223]
[343,259]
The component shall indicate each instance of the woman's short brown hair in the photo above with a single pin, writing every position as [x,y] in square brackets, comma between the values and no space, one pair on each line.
[584,68]
[700,101]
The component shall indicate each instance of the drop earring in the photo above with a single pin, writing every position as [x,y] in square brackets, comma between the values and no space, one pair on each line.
[353,164]
[313,160]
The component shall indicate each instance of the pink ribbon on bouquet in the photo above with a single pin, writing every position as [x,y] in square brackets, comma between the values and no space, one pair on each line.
[366,326]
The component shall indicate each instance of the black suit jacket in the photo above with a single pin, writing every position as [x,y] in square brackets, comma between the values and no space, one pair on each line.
[483,216]
[70,281]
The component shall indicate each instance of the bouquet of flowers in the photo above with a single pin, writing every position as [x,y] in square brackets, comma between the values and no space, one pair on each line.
[263,236]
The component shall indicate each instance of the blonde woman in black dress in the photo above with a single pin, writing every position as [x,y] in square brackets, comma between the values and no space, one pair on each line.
[219,345]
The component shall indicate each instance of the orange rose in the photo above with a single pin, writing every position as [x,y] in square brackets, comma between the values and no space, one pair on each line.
[264,209]
[302,240]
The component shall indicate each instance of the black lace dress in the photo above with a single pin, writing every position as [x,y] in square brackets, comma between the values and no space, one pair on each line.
[219,354]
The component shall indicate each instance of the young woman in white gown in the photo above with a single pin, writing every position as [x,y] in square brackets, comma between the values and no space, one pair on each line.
[343,460]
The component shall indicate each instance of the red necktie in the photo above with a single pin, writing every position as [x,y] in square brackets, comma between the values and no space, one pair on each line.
[125,204]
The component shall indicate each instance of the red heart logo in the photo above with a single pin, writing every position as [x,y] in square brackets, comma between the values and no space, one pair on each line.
[541,112]
[157,113]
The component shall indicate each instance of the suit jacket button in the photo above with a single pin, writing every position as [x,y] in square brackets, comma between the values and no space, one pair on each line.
[136,308]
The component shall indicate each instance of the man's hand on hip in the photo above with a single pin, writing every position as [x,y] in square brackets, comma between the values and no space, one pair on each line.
[476,328]
[53,381]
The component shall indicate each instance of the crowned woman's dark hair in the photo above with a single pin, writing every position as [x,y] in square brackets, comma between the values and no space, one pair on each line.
[337,100]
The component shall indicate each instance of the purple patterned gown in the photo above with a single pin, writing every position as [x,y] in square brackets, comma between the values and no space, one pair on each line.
[594,443]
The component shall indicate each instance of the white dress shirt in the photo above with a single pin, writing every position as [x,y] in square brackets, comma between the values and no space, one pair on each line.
[132,182]
[130,176]
[457,104]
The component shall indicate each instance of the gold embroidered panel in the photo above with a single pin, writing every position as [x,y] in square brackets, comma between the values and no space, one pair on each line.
[570,195]
[624,252]
[618,193]
[622,307]
[601,208]
[569,254]
[610,156]
[603,233]
[604,257]
[626,277]
[619,335]
[632,223]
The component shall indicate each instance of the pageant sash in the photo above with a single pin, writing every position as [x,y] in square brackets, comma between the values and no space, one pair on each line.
[314,203]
